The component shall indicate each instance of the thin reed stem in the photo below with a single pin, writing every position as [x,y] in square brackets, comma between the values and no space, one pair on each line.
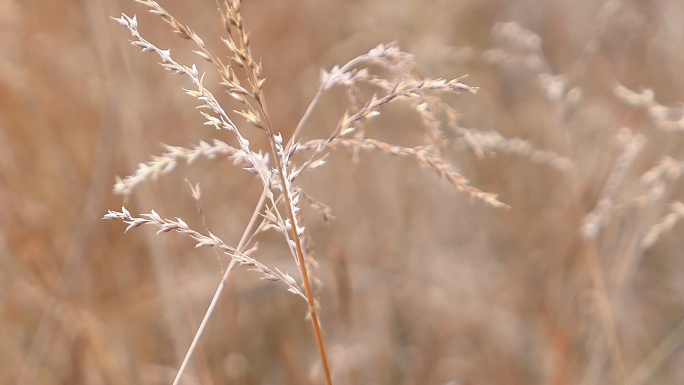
[219,288]
[308,291]
[305,117]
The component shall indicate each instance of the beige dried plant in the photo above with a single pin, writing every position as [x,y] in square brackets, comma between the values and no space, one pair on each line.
[279,165]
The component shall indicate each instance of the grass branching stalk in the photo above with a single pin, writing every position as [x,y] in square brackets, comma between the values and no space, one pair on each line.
[280,157]
[275,168]
[296,236]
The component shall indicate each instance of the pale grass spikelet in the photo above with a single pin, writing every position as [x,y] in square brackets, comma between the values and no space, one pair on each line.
[553,86]
[666,171]
[424,157]
[633,98]
[322,208]
[655,182]
[211,240]
[631,146]
[523,49]
[523,38]
[666,224]
[491,142]
[415,91]
[165,163]
[668,119]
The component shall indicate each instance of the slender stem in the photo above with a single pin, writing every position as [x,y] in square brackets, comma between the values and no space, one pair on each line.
[658,355]
[254,79]
[305,117]
[298,244]
[219,289]
[605,308]
[317,97]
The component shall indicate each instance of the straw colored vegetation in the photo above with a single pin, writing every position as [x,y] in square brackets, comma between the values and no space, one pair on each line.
[342,193]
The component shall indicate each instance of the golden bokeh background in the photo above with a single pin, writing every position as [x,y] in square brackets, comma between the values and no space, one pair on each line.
[419,285]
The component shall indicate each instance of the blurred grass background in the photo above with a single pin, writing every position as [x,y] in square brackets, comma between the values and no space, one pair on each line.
[419,285]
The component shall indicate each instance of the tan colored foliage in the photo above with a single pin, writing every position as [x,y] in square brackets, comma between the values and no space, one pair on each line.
[570,115]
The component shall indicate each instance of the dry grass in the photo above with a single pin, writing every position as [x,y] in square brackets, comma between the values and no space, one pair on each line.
[575,124]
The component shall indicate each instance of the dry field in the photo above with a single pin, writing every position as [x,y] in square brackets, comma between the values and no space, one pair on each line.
[574,122]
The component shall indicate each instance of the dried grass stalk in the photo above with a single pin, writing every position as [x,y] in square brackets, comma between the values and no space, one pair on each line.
[275,165]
